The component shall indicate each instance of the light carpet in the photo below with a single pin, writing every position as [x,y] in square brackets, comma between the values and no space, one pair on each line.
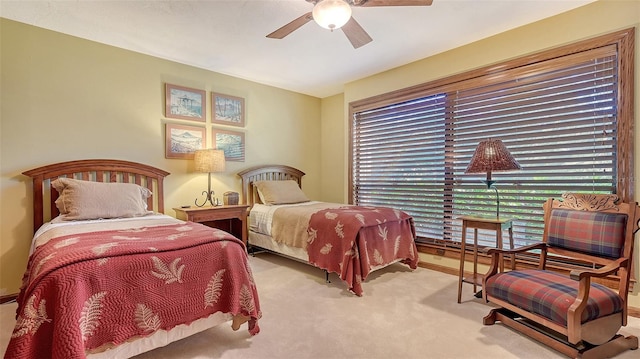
[402,314]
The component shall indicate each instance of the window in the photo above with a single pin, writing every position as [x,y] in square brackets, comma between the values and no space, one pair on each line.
[565,114]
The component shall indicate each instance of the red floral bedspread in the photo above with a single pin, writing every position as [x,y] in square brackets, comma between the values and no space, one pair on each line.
[85,293]
[354,241]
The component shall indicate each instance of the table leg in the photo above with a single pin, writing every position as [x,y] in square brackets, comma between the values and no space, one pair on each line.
[499,244]
[462,252]
[475,259]
[513,256]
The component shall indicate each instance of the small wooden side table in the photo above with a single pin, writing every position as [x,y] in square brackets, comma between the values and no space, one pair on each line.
[230,218]
[496,224]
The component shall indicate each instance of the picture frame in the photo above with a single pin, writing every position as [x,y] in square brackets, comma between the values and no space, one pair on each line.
[227,109]
[185,103]
[181,141]
[231,142]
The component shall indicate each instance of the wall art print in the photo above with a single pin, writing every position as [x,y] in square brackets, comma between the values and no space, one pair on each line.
[185,103]
[182,141]
[231,142]
[227,110]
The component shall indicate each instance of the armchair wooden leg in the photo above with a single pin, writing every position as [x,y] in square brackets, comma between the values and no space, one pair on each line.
[618,344]
[490,319]
[615,346]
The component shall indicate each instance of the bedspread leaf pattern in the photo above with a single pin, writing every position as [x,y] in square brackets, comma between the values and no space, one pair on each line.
[340,229]
[326,249]
[32,318]
[66,242]
[42,262]
[171,273]
[377,257]
[146,319]
[396,246]
[247,302]
[330,215]
[91,314]
[103,248]
[383,232]
[214,289]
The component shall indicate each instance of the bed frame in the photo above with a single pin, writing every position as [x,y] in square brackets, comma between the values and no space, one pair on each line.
[250,197]
[265,173]
[96,170]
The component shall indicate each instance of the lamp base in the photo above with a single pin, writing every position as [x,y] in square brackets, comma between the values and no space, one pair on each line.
[208,198]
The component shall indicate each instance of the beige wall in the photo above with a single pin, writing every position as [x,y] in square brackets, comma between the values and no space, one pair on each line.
[64,98]
[591,20]
[332,148]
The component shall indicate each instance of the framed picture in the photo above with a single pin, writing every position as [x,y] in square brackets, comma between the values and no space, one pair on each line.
[231,142]
[185,103]
[182,141]
[227,110]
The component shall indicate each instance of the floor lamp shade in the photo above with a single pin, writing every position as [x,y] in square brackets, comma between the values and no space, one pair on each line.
[209,161]
[492,156]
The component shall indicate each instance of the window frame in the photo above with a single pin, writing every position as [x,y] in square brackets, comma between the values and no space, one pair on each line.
[624,42]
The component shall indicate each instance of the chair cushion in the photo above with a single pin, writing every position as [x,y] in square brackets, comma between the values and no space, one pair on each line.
[550,294]
[597,233]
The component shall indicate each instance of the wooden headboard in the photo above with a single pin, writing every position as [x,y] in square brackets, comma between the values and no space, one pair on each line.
[266,173]
[96,171]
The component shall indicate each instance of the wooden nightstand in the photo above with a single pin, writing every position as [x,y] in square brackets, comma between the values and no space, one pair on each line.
[232,218]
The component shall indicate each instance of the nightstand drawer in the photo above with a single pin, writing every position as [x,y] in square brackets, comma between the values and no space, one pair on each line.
[231,218]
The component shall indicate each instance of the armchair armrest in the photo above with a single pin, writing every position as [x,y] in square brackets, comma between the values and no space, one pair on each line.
[495,254]
[496,251]
[579,274]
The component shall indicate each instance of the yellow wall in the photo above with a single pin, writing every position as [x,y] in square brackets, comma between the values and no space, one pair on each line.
[332,148]
[588,21]
[64,98]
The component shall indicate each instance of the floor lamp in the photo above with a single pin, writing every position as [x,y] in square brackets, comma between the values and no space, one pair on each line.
[209,161]
[492,156]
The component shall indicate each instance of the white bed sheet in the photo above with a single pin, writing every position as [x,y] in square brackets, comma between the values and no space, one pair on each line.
[44,234]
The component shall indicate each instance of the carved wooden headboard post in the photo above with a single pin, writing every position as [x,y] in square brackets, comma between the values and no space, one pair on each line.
[96,170]
[266,173]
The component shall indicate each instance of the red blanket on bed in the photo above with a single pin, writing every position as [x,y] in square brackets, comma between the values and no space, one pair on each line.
[356,240]
[85,293]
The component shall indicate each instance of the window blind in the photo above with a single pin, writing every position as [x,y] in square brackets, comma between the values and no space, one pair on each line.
[558,117]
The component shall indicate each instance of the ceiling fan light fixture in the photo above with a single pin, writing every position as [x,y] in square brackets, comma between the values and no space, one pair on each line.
[331,14]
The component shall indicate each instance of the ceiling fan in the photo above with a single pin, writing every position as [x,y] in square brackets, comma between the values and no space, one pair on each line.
[336,14]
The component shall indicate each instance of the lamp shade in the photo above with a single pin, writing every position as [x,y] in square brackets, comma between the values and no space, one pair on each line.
[209,160]
[491,156]
[332,14]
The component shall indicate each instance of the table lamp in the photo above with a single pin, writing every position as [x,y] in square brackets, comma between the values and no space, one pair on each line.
[492,156]
[209,161]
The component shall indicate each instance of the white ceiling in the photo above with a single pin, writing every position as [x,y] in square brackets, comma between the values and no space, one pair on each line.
[229,36]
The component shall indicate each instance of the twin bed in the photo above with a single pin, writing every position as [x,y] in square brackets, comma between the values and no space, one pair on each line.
[111,276]
[113,288]
[351,241]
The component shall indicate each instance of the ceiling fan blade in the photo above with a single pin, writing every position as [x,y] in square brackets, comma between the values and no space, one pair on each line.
[355,33]
[291,27]
[371,3]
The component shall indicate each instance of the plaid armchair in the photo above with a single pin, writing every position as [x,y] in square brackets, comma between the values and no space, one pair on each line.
[570,313]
